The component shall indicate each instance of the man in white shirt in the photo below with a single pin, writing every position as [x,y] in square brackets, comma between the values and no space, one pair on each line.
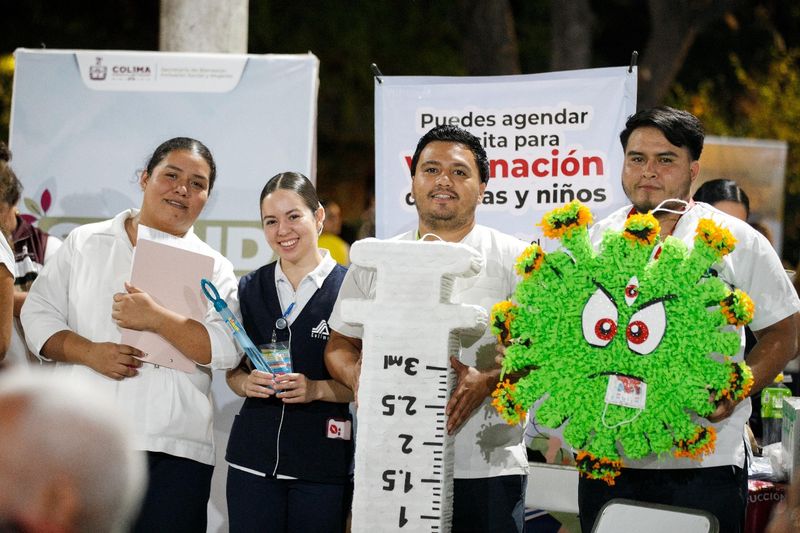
[450,171]
[662,151]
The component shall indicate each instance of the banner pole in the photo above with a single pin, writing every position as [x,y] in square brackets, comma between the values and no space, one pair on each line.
[634,60]
[376,72]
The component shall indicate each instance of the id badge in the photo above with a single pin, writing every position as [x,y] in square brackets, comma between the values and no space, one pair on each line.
[626,391]
[338,428]
[277,356]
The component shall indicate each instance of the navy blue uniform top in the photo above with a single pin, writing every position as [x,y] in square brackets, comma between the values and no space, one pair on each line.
[290,439]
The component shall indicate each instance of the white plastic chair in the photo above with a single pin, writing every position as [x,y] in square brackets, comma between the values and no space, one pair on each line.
[623,516]
[552,488]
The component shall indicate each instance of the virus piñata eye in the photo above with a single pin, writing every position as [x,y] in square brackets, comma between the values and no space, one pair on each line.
[599,319]
[605,329]
[646,328]
[637,332]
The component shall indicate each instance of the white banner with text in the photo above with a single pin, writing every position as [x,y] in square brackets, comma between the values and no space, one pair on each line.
[550,138]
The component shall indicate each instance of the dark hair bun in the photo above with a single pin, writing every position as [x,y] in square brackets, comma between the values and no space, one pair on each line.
[5,153]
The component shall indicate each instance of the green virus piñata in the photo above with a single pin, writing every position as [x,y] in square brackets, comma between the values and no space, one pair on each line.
[623,344]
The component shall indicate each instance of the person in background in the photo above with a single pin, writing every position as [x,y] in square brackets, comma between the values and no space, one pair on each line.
[662,148]
[7,264]
[31,246]
[725,195]
[81,299]
[290,447]
[66,464]
[728,197]
[449,174]
[367,227]
[330,238]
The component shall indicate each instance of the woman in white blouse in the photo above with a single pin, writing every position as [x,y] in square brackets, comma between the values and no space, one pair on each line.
[82,298]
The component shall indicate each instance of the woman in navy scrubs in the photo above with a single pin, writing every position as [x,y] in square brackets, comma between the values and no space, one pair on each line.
[290,447]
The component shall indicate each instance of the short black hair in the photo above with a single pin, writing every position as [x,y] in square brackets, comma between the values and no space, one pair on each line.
[183,143]
[454,134]
[681,128]
[721,190]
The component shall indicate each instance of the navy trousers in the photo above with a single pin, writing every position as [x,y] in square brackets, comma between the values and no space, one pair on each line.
[177,495]
[257,503]
[720,490]
[489,505]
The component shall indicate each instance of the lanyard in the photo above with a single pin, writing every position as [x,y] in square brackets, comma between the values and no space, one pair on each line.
[281,323]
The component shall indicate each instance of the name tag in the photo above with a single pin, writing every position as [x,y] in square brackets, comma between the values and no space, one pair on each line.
[339,429]
[626,391]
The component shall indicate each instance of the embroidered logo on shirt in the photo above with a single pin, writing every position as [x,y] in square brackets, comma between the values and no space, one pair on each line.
[320,331]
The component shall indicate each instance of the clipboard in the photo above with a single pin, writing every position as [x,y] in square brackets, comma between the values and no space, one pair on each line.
[171,276]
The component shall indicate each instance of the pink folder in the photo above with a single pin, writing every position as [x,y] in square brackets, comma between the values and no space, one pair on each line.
[171,276]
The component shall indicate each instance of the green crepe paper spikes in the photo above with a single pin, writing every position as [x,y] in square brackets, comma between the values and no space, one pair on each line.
[542,329]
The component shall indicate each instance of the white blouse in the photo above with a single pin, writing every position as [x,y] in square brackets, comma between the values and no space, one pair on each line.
[170,410]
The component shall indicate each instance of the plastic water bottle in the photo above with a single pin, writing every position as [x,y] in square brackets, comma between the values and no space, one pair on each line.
[772,410]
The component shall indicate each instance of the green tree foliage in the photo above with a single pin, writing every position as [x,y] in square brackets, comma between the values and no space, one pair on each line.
[762,105]
[765,105]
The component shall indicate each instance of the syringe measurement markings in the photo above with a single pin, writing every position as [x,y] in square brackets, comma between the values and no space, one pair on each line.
[436,490]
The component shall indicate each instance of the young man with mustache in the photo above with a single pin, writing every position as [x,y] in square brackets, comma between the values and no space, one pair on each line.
[450,172]
[662,152]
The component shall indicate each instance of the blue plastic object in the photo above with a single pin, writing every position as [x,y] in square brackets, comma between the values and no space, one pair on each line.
[239,334]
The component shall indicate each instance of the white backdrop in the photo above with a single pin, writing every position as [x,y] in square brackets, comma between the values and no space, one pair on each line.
[549,137]
[84,122]
[83,140]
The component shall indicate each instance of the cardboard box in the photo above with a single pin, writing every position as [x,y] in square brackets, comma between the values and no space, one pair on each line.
[790,435]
